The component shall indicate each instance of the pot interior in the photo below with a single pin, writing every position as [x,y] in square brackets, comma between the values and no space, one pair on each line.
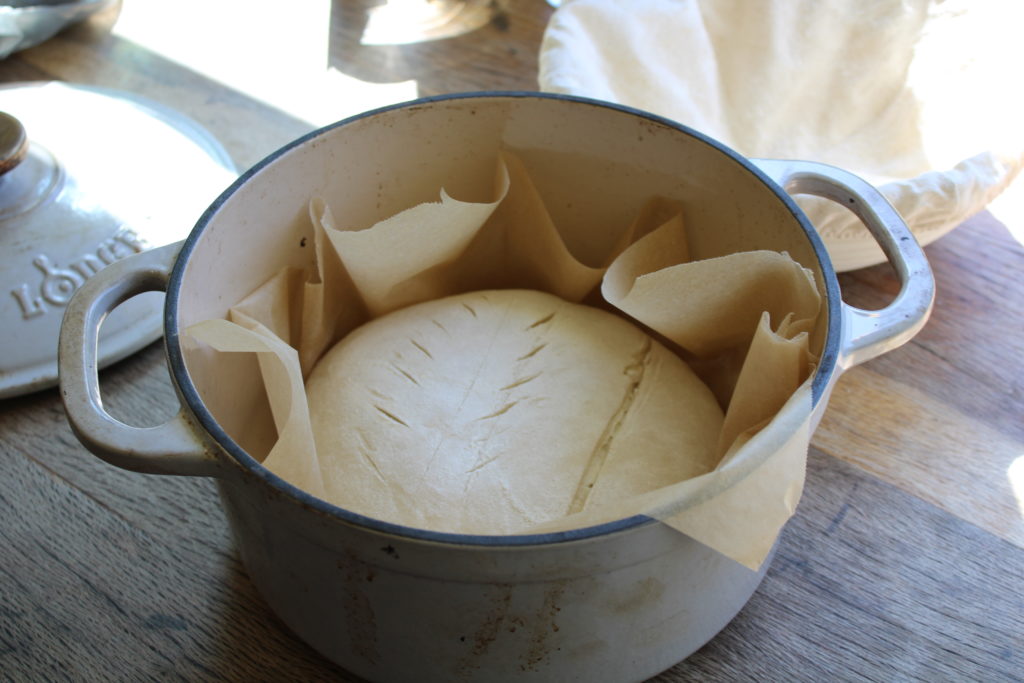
[595,165]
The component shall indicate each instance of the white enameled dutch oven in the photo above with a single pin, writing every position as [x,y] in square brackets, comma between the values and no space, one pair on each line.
[615,602]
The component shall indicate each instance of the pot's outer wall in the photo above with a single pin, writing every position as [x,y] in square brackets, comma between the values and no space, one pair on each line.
[620,607]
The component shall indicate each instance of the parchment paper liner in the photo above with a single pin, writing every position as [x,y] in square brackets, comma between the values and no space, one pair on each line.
[742,321]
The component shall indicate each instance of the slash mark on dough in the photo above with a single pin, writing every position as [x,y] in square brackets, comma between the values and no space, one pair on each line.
[542,321]
[520,382]
[477,467]
[366,441]
[635,370]
[365,453]
[405,374]
[500,411]
[422,348]
[391,416]
[537,349]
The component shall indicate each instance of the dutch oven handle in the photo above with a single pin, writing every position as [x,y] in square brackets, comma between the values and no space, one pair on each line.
[171,448]
[867,334]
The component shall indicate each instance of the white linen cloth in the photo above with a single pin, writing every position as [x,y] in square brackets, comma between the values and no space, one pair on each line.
[920,97]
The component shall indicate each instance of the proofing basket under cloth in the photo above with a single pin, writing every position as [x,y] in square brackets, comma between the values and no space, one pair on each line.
[922,98]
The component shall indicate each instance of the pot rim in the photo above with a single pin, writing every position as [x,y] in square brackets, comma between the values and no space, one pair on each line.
[180,376]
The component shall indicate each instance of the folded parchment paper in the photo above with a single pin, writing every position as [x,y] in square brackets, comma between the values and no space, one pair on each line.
[743,321]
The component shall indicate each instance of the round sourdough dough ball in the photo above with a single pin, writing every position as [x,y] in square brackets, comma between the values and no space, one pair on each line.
[490,412]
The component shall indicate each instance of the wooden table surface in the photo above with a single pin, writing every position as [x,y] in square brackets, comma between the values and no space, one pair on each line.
[905,559]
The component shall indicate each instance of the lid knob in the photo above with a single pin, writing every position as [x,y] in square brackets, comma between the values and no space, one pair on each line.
[13,142]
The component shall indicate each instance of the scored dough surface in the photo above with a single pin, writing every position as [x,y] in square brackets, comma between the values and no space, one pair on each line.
[490,412]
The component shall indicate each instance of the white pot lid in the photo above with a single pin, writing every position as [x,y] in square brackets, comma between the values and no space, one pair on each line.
[99,175]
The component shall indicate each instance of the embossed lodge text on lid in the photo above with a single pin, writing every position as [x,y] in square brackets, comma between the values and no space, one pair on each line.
[89,177]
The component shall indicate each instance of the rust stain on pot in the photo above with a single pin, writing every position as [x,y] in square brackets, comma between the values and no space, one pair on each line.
[360,620]
[486,632]
[544,625]
[515,622]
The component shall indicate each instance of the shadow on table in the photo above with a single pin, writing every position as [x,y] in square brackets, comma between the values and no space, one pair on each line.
[249,642]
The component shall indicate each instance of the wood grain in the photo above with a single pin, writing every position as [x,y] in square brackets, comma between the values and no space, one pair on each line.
[904,560]
[870,583]
[942,416]
[92,589]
